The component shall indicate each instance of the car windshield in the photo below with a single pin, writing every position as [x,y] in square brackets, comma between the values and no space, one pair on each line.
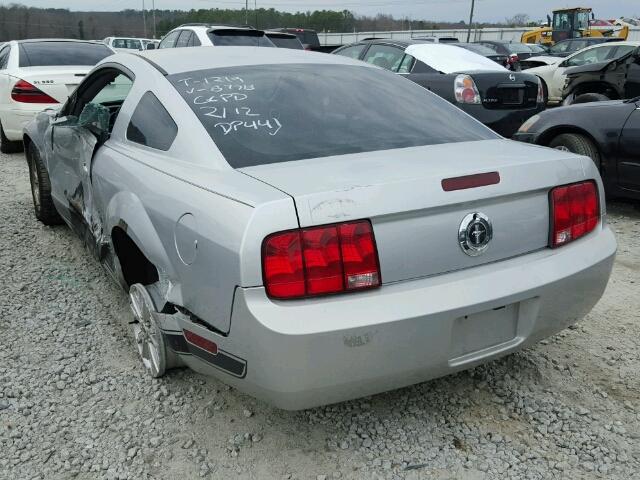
[128,43]
[239,38]
[40,54]
[265,114]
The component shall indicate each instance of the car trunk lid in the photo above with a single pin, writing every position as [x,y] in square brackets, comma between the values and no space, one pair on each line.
[505,90]
[415,220]
[56,81]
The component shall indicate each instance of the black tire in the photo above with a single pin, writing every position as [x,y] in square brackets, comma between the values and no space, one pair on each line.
[589,97]
[8,146]
[576,143]
[41,189]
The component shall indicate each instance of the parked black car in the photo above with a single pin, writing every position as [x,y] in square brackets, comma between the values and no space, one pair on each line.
[607,132]
[516,52]
[613,79]
[500,99]
[284,40]
[309,39]
[500,59]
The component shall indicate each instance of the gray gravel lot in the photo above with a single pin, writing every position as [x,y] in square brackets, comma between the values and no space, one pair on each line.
[75,402]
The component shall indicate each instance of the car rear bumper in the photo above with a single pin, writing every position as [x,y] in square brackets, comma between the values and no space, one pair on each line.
[506,122]
[17,117]
[305,353]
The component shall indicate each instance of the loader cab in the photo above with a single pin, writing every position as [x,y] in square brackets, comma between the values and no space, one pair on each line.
[570,23]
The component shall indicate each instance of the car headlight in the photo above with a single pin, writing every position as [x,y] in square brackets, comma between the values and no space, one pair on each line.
[528,124]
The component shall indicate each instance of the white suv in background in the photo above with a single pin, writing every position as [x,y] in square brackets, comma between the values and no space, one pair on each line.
[36,74]
[195,35]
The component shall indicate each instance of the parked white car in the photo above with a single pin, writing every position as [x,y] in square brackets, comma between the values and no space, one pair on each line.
[37,74]
[126,44]
[195,35]
[554,76]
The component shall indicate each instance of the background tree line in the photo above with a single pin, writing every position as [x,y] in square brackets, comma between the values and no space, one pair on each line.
[18,22]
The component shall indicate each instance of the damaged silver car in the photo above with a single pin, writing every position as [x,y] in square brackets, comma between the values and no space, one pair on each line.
[309,228]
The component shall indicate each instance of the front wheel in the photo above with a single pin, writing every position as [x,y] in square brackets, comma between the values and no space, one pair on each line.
[576,143]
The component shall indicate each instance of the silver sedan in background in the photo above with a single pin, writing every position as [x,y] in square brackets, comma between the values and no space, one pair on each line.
[309,228]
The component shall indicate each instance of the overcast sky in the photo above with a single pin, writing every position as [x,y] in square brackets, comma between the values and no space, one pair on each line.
[454,10]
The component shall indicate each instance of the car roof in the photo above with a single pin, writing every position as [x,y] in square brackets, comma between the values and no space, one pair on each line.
[603,44]
[279,34]
[173,60]
[36,40]
[393,41]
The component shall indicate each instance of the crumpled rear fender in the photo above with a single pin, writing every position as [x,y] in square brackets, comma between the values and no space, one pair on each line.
[126,211]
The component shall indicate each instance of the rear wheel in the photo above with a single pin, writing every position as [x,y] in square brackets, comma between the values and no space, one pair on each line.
[576,143]
[41,189]
[148,336]
[8,146]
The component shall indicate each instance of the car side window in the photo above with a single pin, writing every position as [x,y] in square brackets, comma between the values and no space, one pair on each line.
[170,40]
[352,52]
[194,41]
[183,39]
[406,64]
[103,93]
[4,56]
[151,125]
[384,56]
[586,57]
[621,51]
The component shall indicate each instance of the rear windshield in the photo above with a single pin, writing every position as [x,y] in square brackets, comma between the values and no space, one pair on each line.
[40,54]
[264,114]
[239,38]
[286,42]
[517,48]
[479,49]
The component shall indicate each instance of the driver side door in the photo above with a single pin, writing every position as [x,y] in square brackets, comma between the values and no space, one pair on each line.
[76,135]
[629,160]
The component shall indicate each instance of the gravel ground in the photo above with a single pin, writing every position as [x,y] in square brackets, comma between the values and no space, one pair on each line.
[75,402]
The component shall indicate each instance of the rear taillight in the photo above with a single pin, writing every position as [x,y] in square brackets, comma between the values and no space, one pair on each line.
[513,58]
[24,92]
[320,260]
[540,98]
[575,211]
[465,90]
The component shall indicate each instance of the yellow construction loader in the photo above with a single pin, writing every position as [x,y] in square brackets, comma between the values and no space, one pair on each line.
[569,23]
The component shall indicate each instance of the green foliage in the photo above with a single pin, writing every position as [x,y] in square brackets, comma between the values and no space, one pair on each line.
[320,20]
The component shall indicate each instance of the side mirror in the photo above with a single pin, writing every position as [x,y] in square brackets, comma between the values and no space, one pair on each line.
[95,118]
[150,46]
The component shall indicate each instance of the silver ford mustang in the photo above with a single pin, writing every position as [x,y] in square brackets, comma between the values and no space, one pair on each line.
[309,228]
